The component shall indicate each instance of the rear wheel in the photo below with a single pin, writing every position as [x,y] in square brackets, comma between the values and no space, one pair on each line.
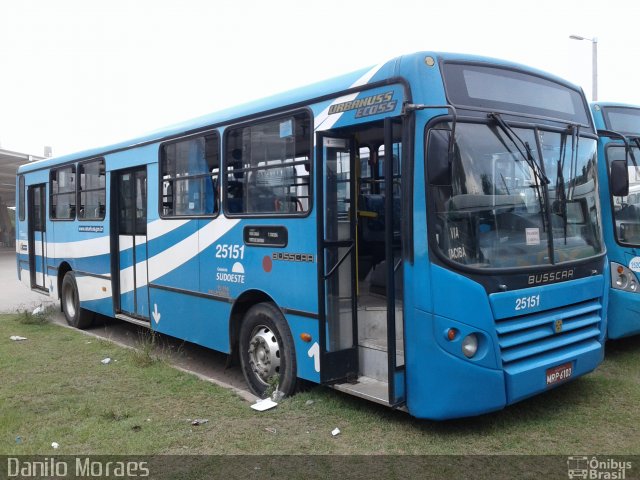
[70,300]
[266,350]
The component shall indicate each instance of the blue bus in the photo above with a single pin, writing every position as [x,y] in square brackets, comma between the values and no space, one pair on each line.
[619,144]
[424,233]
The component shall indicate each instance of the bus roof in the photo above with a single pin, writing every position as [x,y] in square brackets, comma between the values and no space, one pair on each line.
[613,104]
[389,69]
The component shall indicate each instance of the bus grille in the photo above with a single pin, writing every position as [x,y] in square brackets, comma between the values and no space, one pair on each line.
[527,337]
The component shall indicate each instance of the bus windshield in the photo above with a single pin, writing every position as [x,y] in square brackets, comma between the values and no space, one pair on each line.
[622,119]
[626,210]
[493,209]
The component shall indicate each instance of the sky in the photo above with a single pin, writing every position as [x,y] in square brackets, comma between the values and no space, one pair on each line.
[78,74]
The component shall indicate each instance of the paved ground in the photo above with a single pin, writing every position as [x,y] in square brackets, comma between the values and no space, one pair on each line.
[13,294]
[202,362]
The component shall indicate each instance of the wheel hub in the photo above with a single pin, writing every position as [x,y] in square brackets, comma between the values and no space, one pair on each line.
[264,353]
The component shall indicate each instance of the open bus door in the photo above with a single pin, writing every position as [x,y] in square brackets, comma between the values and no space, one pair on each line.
[129,244]
[360,325]
[37,202]
[337,259]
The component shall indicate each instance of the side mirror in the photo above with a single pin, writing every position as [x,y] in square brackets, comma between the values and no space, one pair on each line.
[619,178]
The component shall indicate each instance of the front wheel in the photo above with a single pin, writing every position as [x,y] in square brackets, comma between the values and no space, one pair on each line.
[266,350]
[70,300]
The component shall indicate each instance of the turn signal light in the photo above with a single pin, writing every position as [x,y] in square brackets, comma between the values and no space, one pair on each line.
[305,337]
[451,334]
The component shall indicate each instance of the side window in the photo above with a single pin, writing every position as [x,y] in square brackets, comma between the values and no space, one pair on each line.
[366,173]
[189,170]
[397,153]
[21,204]
[63,193]
[268,167]
[92,190]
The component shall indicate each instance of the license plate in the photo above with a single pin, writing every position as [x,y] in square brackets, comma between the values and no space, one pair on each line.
[559,374]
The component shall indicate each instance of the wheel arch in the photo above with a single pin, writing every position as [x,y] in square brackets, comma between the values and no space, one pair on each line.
[240,307]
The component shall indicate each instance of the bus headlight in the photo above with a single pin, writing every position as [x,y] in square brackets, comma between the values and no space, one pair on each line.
[470,345]
[622,281]
[623,278]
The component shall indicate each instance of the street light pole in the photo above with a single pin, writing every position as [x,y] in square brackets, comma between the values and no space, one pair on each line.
[594,66]
[594,63]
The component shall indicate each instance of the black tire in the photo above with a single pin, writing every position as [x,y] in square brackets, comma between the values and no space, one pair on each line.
[267,349]
[70,300]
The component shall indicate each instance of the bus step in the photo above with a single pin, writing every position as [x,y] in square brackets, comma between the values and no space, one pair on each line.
[372,357]
[134,320]
[367,388]
[372,322]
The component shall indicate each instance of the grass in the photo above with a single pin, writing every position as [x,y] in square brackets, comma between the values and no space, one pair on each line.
[42,316]
[55,389]
[145,353]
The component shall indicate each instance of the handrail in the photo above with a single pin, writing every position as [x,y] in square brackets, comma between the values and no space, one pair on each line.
[327,275]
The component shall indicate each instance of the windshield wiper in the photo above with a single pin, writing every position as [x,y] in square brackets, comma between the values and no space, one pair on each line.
[561,193]
[573,166]
[635,140]
[528,156]
[538,175]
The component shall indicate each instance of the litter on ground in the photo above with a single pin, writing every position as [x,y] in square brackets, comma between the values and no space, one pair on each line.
[263,405]
[200,421]
[335,431]
[17,338]
[106,361]
[55,445]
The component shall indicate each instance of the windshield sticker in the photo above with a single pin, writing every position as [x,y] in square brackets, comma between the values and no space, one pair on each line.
[286,129]
[457,253]
[533,236]
[634,264]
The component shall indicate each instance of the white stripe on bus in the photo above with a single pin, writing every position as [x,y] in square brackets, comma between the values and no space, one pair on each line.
[102,245]
[180,253]
[176,255]
[91,288]
[327,121]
